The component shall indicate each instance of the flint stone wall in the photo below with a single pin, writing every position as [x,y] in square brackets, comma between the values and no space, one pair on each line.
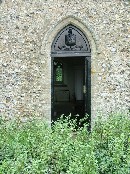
[25,52]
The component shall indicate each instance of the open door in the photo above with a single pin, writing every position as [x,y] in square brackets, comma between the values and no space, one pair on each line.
[71,80]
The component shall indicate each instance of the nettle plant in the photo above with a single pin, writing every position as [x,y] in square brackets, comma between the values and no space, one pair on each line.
[35,148]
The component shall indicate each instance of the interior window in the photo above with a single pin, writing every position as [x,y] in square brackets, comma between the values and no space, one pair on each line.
[58,75]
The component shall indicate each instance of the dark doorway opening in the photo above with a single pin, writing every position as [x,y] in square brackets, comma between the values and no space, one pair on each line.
[69,94]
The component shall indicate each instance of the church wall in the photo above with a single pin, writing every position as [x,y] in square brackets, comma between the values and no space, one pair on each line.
[27,29]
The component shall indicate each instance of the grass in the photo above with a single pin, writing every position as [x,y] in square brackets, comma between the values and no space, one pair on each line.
[35,148]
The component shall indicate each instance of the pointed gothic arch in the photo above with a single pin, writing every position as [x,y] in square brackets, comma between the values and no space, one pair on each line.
[47,49]
[57,26]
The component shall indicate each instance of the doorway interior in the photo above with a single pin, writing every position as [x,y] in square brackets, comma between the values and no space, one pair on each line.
[69,87]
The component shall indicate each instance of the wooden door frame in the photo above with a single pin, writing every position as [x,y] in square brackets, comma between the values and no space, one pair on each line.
[88,89]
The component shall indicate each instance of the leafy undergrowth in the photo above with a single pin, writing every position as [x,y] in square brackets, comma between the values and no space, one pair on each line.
[35,148]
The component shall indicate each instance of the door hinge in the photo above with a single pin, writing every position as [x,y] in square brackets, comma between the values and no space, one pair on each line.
[84,89]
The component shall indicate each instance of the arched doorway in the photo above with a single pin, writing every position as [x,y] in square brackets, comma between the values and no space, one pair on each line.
[71,74]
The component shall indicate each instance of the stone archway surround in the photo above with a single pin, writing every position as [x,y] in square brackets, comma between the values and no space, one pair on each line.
[46,54]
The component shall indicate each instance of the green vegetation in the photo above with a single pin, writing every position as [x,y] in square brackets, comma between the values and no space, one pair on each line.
[35,148]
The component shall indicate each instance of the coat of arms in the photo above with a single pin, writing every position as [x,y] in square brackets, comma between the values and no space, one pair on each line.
[70,42]
[70,38]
